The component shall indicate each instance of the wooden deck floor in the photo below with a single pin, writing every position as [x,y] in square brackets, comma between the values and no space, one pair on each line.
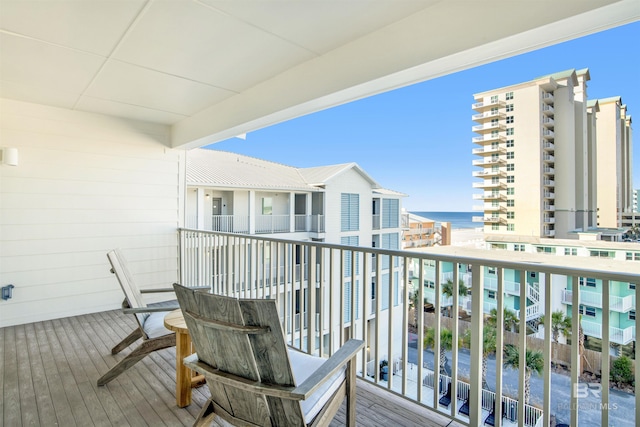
[48,373]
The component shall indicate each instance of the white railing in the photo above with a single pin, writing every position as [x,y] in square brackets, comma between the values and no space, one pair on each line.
[317,224]
[272,224]
[266,267]
[616,335]
[594,299]
[229,223]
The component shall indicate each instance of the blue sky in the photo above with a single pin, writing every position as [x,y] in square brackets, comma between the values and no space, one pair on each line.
[417,139]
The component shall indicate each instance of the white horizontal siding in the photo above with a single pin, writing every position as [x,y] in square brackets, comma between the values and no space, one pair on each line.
[85,184]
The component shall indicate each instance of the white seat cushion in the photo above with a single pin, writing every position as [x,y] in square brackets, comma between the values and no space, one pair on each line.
[303,365]
[154,325]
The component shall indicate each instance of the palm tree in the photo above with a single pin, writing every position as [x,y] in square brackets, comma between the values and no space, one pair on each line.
[534,363]
[448,290]
[446,343]
[560,325]
[488,347]
[416,310]
[511,321]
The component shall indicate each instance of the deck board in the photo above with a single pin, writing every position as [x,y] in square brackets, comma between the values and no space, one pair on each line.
[48,374]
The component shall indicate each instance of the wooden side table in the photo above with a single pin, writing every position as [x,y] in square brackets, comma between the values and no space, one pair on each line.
[185,377]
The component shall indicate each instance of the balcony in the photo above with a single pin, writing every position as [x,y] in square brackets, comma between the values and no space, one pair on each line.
[480,106]
[494,220]
[547,109]
[547,122]
[548,145]
[546,133]
[547,97]
[487,138]
[488,127]
[548,170]
[548,182]
[548,207]
[488,161]
[489,173]
[548,158]
[549,232]
[616,335]
[487,115]
[594,299]
[489,184]
[548,195]
[488,150]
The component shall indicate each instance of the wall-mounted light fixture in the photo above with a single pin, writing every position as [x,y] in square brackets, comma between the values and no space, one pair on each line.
[9,156]
[6,292]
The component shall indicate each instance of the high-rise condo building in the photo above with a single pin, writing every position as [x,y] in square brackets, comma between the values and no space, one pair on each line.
[542,148]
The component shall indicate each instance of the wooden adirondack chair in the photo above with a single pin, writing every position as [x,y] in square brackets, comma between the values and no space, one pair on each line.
[253,378]
[150,320]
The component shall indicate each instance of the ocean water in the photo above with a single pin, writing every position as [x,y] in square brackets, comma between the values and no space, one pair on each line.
[457,219]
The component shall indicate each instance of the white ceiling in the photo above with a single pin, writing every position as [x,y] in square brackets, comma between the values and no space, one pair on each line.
[214,69]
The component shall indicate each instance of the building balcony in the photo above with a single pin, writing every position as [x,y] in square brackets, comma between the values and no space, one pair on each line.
[488,115]
[548,182]
[488,150]
[548,170]
[484,139]
[548,134]
[489,184]
[488,161]
[549,232]
[547,110]
[548,122]
[487,127]
[547,97]
[481,106]
[549,220]
[489,173]
[549,195]
[489,207]
[548,145]
[616,335]
[549,207]
[316,322]
[594,299]
[548,158]
[489,196]
[488,219]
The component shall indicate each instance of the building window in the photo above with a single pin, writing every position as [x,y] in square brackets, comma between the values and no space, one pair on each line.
[510,143]
[494,122]
[533,274]
[587,311]
[267,206]
[511,203]
[390,213]
[510,167]
[602,254]
[510,155]
[509,108]
[511,215]
[495,227]
[494,134]
[508,96]
[350,212]
[509,119]
[511,179]
[494,180]
[633,256]
[350,241]
[511,191]
[491,270]
[545,249]
[495,204]
[632,315]
[491,294]
[518,248]
[494,99]
[511,227]
[510,131]
[632,286]
[494,110]
[589,281]
[571,251]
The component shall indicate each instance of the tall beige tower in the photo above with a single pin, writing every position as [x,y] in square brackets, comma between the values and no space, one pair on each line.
[535,156]
[614,156]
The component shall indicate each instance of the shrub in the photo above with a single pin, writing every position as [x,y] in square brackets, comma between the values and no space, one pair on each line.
[622,370]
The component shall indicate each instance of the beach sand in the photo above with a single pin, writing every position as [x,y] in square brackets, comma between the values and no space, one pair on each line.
[467,237]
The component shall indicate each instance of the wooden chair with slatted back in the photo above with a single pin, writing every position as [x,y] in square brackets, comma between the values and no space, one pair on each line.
[253,377]
[149,318]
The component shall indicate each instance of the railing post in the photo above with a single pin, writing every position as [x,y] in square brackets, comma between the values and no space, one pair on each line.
[575,349]
[477,315]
